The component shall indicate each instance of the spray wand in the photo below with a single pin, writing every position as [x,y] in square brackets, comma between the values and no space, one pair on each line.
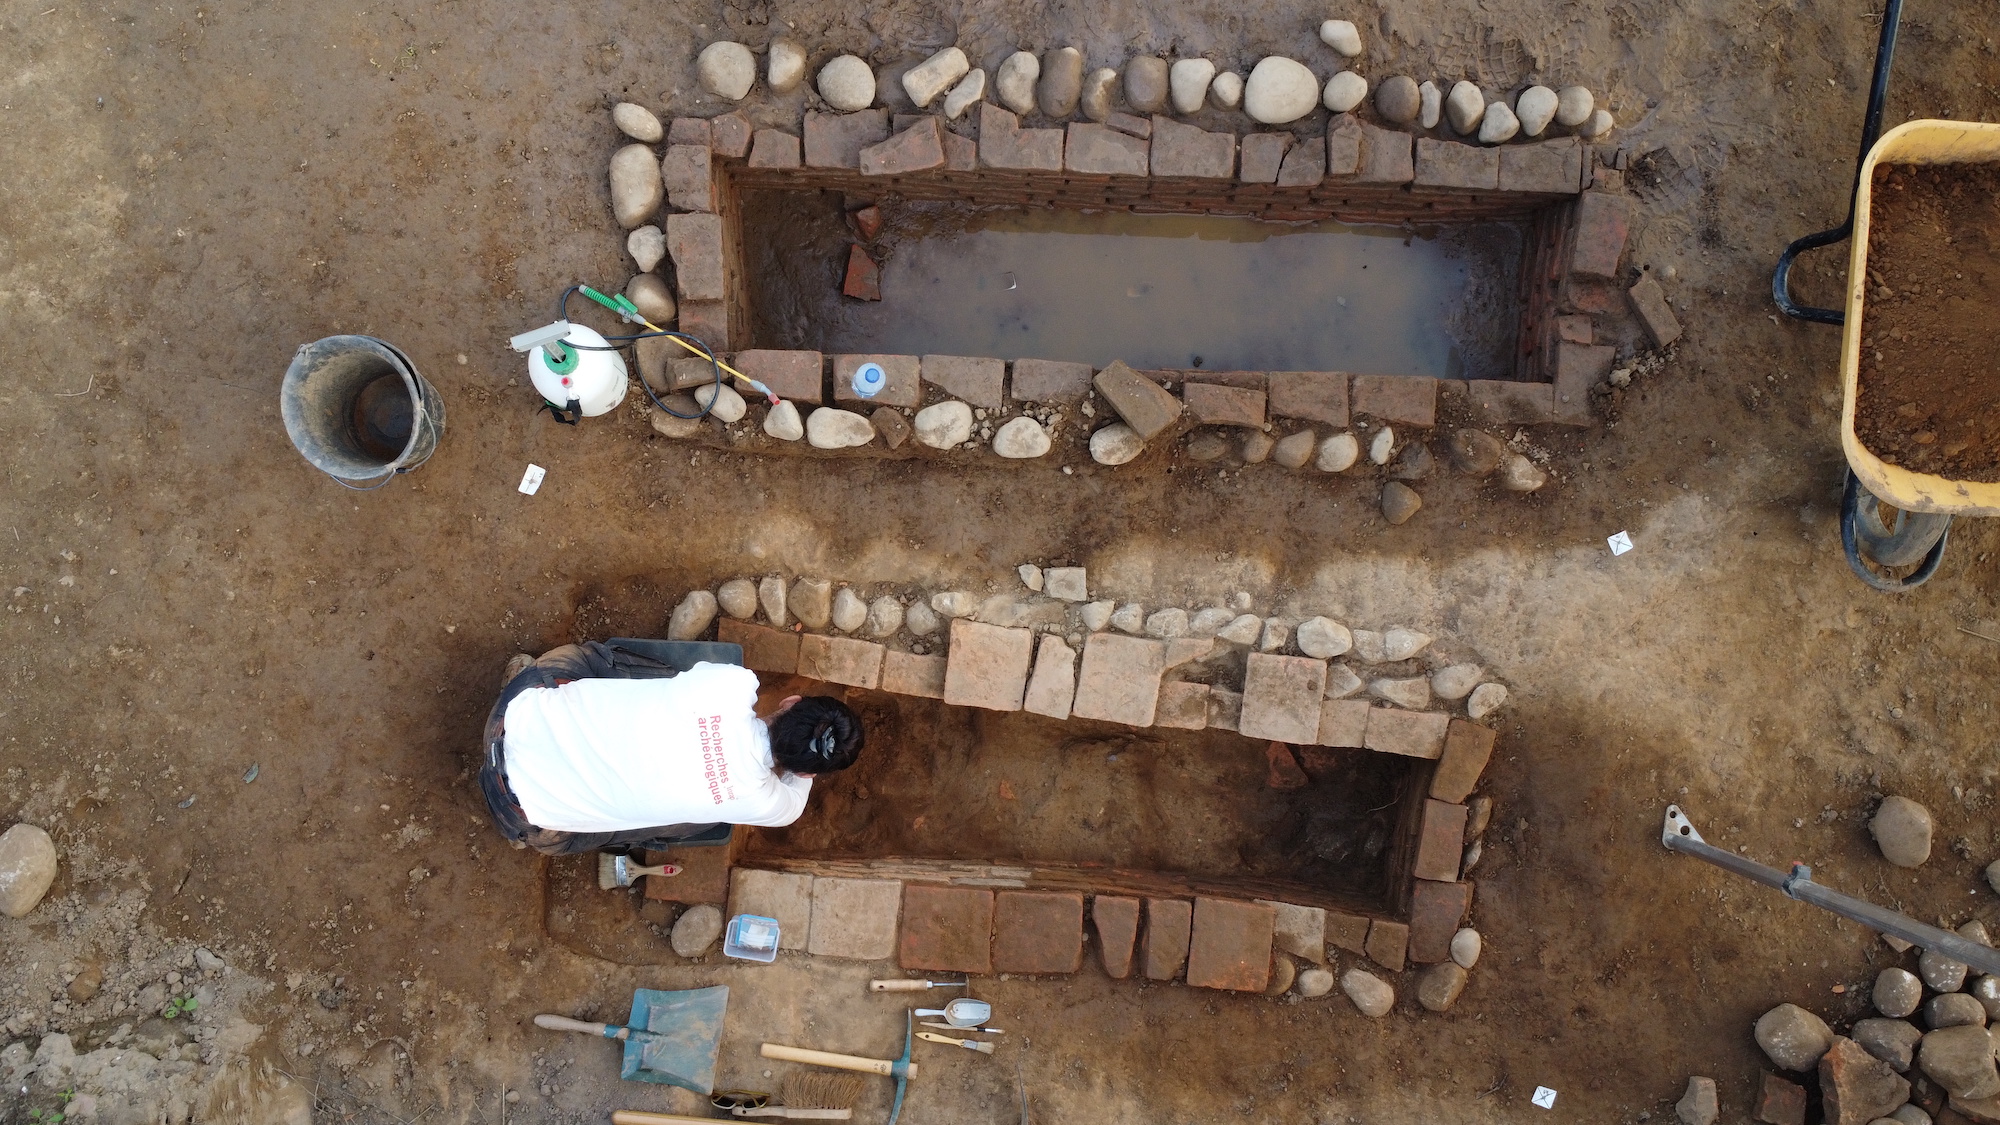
[629,313]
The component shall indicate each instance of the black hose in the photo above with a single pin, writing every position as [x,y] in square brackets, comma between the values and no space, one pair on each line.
[625,342]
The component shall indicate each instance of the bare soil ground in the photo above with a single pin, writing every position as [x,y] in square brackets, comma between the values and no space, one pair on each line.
[194,188]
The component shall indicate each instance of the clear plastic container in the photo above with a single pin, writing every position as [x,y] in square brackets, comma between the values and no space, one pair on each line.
[751,937]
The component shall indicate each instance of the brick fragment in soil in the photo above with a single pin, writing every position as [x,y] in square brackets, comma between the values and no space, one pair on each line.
[863,281]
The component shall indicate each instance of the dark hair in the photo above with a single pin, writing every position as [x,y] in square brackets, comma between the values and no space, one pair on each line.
[818,734]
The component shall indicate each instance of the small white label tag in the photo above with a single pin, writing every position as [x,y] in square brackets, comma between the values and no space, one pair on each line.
[1545,1097]
[1620,543]
[532,479]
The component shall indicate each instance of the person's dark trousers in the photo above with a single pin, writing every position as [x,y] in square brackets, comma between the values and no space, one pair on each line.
[588,661]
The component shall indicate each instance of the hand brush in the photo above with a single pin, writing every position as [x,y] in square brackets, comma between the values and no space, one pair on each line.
[615,871]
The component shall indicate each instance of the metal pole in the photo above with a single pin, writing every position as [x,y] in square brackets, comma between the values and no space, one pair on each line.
[1679,836]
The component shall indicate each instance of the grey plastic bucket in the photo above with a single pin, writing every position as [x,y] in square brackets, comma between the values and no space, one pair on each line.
[355,407]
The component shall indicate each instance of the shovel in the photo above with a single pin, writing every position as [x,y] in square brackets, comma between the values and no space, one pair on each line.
[672,1037]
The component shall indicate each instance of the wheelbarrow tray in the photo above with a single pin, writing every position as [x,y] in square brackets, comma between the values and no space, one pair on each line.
[1915,142]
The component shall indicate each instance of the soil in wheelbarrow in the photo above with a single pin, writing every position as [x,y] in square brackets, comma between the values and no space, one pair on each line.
[1928,394]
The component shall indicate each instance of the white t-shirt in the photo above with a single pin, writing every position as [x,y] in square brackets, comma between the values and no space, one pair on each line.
[615,755]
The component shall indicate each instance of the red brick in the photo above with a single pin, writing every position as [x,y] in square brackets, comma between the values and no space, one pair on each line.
[1344,722]
[975,380]
[919,148]
[1120,679]
[1662,326]
[1183,150]
[1579,367]
[1214,405]
[1231,946]
[1387,156]
[904,386]
[1436,910]
[687,178]
[1498,402]
[1580,294]
[704,873]
[1052,684]
[1344,143]
[774,148]
[764,649]
[1163,947]
[905,673]
[1440,836]
[706,321]
[1281,697]
[1262,155]
[1547,167]
[689,131]
[835,140]
[864,278]
[1282,770]
[1316,396]
[1225,709]
[1182,706]
[1575,329]
[1004,145]
[1117,921]
[1409,400]
[1144,405]
[987,665]
[1598,234]
[1414,734]
[866,221]
[1304,164]
[1347,931]
[1130,124]
[946,929]
[1780,1102]
[792,375]
[695,242]
[1857,1088]
[1448,164]
[840,660]
[1467,746]
[1037,932]
[729,135]
[891,426]
[1095,149]
[1388,944]
[961,154]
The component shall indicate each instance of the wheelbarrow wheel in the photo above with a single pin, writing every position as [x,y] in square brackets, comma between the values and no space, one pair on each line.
[1876,549]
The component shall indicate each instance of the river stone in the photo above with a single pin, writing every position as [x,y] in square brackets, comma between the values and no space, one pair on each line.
[1344,91]
[920,619]
[1294,450]
[1906,1114]
[849,611]
[1698,1105]
[1370,993]
[772,595]
[1284,971]
[1014,82]
[1314,983]
[1146,84]
[970,91]
[1277,634]
[1793,1038]
[782,421]
[1129,618]
[1021,438]
[1322,638]
[1243,631]
[847,83]
[1518,474]
[1484,700]
[1342,36]
[1902,829]
[726,69]
[933,76]
[28,865]
[1414,463]
[1338,453]
[1412,694]
[1465,108]
[1986,990]
[1456,681]
[1431,105]
[1897,992]
[885,616]
[692,617]
[1476,452]
[955,603]
[647,245]
[1892,1041]
[1941,973]
[1100,93]
[811,601]
[1206,622]
[677,428]
[696,930]
[1115,444]
[1257,447]
[1207,446]
[1573,106]
[1341,681]
[1398,99]
[1032,576]
[1187,83]
[650,295]
[1961,1060]
[637,122]
[1439,988]
[1465,947]
[1535,108]
[1499,125]
[1381,445]
[1061,82]
[636,187]
[1227,90]
[1600,123]
[784,66]
[1096,615]
[1399,502]
[1280,91]
[1954,1009]
[944,425]
[738,598]
[1975,930]
[828,428]
[728,406]
[1167,623]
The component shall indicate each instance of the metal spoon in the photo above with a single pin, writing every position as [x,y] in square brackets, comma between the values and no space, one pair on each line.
[962,1012]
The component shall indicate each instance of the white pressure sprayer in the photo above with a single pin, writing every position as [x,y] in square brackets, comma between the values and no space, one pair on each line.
[575,382]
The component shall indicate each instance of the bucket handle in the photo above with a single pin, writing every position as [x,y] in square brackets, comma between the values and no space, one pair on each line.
[423,418]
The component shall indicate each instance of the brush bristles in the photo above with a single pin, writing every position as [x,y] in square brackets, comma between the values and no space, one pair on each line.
[822,1091]
[607,872]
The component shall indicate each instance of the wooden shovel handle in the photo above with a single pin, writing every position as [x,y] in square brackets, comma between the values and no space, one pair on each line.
[564,1023]
[637,1117]
[884,1067]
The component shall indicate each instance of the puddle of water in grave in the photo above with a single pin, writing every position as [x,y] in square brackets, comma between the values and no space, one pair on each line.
[1157,291]
[944,782]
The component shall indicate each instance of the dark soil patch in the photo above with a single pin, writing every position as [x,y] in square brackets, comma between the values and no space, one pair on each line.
[1929,392]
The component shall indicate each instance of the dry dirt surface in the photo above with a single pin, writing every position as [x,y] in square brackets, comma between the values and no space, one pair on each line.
[192,189]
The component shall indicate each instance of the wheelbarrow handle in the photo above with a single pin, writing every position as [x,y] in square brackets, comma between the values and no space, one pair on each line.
[564,1023]
[887,1068]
